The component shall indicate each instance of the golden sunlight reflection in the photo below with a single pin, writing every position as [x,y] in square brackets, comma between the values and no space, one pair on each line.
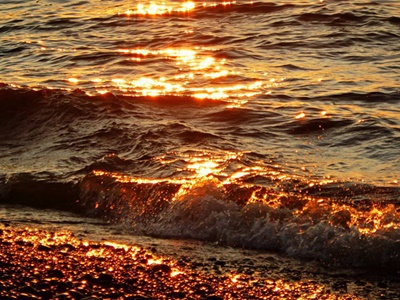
[161,9]
[203,168]
[118,245]
[155,8]
[301,115]
[73,80]
[154,261]
[194,72]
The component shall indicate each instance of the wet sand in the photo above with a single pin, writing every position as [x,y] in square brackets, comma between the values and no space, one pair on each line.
[41,264]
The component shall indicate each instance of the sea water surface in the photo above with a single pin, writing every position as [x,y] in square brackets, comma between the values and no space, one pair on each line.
[257,124]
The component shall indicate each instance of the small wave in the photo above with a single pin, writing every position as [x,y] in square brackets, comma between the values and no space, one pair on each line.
[350,97]
[316,125]
[338,19]
[255,7]
[352,234]
[394,20]
[32,108]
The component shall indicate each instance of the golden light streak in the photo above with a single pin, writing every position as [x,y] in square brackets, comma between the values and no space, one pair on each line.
[118,245]
[300,115]
[203,168]
[192,65]
[154,9]
[154,261]
[175,273]
[73,80]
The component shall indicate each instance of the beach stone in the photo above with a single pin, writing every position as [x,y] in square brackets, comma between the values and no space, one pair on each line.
[55,274]
[114,295]
[63,296]
[161,267]
[340,286]
[220,263]
[75,294]
[91,298]
[138,297]
[88,278]
[45,294]
[42,285]
[203,289]
[106,278]
[69,247]
[28,290]
[213,297]
[177,295]
[2,286]
[6,243]
[44,248]
[24,296]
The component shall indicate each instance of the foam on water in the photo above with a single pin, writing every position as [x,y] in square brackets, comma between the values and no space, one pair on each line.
[345,233]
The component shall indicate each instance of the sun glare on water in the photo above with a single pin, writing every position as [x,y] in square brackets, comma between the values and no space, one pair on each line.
[200,72]
[162,8]
[192,71]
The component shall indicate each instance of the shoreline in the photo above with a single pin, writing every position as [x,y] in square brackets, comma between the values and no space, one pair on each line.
[43,264]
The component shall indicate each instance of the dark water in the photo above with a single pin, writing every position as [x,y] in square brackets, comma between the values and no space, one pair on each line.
[273,126]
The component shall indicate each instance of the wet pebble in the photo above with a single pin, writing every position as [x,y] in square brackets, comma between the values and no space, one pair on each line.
[177,295]
[203,289]
[63,296]
[88,278]
[106,278]
[24,296]
[68,247]
[91,298]
[213,297]
[161,267]
[137,297]
[54,274]
[44,248]
[75,294]
[220,263]
[45,294]
[28,290]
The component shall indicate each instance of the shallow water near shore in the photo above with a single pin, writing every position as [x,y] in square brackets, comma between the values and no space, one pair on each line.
[251,125]
[255,269]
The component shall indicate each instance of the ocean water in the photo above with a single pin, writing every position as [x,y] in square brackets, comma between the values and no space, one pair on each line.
[253,124]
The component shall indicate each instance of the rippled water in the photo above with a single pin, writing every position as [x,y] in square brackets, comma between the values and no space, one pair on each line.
[257,124]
